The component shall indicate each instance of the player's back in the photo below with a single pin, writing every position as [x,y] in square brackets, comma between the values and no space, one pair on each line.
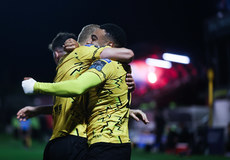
[69,113]
[108,121]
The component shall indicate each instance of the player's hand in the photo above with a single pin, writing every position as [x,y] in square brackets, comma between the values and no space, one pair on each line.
[130,82]
[138,115]
[28,85]
[70,44]
[26,113]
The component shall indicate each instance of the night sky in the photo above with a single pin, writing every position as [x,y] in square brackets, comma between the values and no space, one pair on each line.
[27,27]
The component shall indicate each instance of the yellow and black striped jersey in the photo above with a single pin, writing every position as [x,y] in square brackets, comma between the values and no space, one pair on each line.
[69,113]
[109,114]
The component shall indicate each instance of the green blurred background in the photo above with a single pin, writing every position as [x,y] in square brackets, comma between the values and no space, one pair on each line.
[13,149]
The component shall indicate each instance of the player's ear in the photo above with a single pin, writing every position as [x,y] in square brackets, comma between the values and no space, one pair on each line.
[56,56]
[111,44]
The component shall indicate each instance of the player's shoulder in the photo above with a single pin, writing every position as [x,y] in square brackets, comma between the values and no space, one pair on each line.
[87,48]
[107,61]
[104,61]
[101,63]
[91,46]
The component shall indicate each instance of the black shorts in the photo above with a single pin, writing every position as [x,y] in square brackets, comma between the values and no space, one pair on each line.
[66,148]
[109,151]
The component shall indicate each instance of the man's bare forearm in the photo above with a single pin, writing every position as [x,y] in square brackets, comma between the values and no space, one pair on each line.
[118,54]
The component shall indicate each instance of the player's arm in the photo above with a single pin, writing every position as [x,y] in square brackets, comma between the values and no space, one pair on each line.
[32,111]
[138,115]
[89,79]
[119,54]
[69,88]
[66,88]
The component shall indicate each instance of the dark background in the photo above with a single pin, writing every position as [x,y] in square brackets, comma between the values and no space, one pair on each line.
[199,29]
[27,27]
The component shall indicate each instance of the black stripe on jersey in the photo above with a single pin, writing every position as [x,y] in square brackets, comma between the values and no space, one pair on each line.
[76,55]
[118,124]
[107,124]
[117,81]
[120,139]
[127,106]
[86,107]
[129,99]
[77,132]
[79,69]
[101,119]
[93,58]
[119,103]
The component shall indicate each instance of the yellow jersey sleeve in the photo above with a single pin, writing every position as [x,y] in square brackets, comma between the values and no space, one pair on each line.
[93,51]
[70,87]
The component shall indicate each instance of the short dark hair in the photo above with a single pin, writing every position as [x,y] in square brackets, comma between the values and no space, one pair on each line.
[115,34]
[60,39]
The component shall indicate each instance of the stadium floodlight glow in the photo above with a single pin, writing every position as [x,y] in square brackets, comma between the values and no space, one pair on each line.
[158,63]
[152,78]
[176,58]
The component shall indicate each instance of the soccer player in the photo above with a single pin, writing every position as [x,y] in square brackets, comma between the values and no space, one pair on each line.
[65,122]
[107,128]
